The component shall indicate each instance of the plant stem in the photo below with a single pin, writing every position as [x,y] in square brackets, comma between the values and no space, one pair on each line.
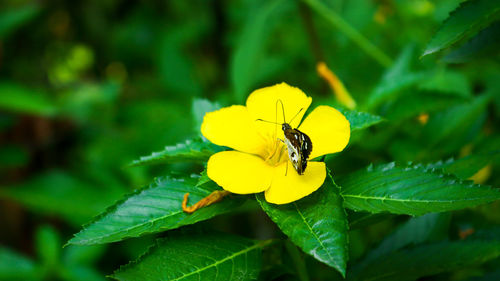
[338,22]
[305,13]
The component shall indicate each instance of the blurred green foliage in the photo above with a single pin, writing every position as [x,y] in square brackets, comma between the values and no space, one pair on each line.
[88,87]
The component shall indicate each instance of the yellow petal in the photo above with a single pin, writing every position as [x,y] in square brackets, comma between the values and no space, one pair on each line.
[292,187]
[328,129]
[239,172]
[263,104]
[233,127]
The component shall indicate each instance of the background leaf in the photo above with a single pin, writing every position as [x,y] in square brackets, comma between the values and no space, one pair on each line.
[251,45]
[197,257]
[56,192]
[14,266]
[12,19]
[428,260]
[195,150]
[470,17]
[18,98]
[175,69]
[397,78]
[420,102]
[413,191]
[344,27]
[48,243]
[426,228]
[467,166]
[361,120]
[317,224]
[153,209]
[484,45]
[455,120]
[446,81]
[362,219]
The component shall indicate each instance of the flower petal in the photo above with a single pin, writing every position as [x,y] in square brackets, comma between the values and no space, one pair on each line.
[292,187]
[263,104]
[328,129]
[239,172]
[233,127]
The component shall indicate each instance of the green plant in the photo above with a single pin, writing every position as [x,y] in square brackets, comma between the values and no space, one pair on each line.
[414,195]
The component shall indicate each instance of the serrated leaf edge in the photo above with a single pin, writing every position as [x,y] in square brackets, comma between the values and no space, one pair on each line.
[457,37]
[426,169]
[162,156]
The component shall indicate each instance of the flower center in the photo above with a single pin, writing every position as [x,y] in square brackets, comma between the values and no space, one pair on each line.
[275,152]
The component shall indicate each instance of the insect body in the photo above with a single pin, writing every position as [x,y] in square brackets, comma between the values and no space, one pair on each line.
[299,147]
[298,144]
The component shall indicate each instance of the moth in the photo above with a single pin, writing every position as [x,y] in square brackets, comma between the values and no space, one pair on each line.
[299,147]
[298,144]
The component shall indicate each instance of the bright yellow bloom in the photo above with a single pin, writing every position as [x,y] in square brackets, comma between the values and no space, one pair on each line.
[259,160]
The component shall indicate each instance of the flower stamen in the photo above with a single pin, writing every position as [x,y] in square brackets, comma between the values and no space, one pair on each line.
[275,156]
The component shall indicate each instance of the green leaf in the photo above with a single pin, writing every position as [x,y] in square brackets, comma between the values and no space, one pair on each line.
[317,224]
[14,266]
[175,68]
[344,27]
[12,19]
[197,257]
[85,102]
[490,276]
[297,258]
[361,120]
[466,167]
[18,98]
[395,79]
[426,228]
[484,45]
[81,273]
[428,260]
[415,103]
[57,192]
[362,219]
[470,17]
[446,81]
[48,244]
[153,209]
[195,150]
[199,108]
[203,178]
[412,190]
[82,255]
[456,120]
[13,156]
[251,45]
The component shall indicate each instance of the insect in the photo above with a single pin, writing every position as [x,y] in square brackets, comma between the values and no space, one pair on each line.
[299,145]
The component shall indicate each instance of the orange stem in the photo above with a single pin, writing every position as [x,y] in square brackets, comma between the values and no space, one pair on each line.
[213,197]
[336,85]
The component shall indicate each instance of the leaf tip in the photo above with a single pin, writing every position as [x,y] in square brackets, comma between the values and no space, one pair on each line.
[428,52]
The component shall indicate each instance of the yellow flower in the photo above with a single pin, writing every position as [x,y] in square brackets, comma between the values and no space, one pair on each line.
[259,160]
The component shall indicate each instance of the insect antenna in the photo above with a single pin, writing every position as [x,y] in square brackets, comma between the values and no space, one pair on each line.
[262,120]
[282,109]
[296,115]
